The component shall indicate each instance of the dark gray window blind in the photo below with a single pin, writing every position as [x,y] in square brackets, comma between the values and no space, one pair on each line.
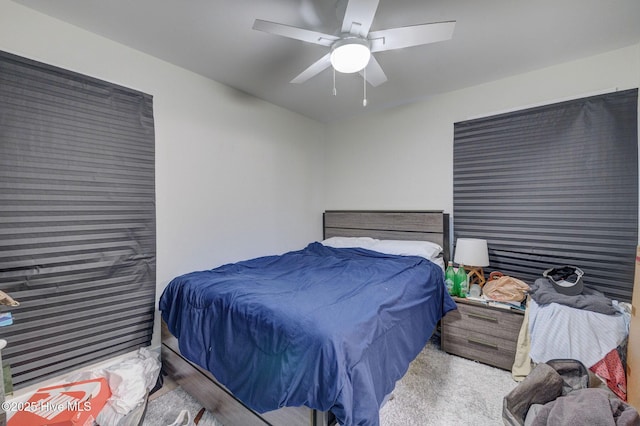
[77,218]
[553,185]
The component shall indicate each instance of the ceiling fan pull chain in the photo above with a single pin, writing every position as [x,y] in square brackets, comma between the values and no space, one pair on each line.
[334,82]
[364,81]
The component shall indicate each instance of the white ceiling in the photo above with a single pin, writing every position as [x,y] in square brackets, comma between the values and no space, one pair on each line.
[492,39]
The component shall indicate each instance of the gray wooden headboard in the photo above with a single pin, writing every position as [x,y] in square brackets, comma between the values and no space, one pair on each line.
[420,225]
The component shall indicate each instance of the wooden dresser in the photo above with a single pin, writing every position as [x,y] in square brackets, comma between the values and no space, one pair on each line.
[482,333]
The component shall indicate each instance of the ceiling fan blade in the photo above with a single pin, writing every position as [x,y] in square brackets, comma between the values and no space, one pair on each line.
[358,16]
[374,73]
[414,35]
[294,32]
[315,68]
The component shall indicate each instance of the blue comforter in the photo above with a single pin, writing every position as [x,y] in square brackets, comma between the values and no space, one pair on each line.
[331,329]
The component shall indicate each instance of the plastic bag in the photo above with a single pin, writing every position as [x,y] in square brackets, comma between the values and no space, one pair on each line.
[129,380]
[505,289]
[183,419]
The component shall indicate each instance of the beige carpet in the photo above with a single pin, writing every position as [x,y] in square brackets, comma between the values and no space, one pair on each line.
[438,390]
[165,409]
[441,389]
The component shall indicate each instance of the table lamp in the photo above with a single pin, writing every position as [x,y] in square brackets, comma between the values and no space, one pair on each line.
[473,254]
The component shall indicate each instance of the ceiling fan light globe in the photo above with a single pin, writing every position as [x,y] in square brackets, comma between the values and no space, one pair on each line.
[350,56]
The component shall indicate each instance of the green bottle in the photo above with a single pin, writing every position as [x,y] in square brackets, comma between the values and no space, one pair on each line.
[456,289]
[450,278]
[461,281]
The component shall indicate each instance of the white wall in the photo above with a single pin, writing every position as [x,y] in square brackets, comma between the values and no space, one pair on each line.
[236,177]
[403,158]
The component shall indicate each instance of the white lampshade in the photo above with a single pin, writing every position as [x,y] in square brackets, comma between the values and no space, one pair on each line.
[350,55]
[471,252]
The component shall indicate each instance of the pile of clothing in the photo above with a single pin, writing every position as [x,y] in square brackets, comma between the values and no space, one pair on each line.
[574,322]
[557,393]
[588,327]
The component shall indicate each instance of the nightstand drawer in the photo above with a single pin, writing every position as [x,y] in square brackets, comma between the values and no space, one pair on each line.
[485,348]
[494,321]
[482,333]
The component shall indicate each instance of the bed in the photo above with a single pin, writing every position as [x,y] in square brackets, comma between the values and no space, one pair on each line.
[311,337]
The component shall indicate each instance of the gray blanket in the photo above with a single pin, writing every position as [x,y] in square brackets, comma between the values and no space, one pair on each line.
[558,393]
[590,406]
[543,293]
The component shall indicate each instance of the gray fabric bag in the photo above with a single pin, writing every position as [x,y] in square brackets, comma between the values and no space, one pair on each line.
[557,388]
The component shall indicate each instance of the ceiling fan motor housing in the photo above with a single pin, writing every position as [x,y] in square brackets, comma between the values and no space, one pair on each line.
[350,53]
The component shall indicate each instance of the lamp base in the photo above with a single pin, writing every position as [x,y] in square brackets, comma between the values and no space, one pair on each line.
[476,275]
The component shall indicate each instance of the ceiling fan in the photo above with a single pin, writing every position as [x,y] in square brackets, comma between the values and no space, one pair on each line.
[351,49]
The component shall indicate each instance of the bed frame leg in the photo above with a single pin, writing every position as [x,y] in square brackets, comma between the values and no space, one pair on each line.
[319,418]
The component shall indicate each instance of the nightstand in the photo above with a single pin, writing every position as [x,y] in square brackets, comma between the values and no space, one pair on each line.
[482,333]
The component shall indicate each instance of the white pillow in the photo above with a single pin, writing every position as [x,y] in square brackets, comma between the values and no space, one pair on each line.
[425,249]
[349,242]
